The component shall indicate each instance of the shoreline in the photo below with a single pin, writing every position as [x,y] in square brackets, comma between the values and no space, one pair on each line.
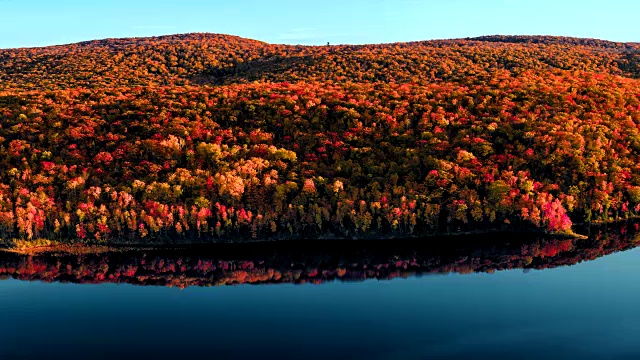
[44,246]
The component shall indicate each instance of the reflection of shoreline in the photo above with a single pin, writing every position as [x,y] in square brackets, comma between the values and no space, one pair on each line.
[300,263]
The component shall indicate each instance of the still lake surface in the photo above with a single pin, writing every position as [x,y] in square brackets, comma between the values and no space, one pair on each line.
[512,298]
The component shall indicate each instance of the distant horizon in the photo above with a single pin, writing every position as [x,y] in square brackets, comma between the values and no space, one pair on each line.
[298,44]
[41,23]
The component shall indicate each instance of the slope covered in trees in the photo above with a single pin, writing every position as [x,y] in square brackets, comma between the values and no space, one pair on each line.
[202,137]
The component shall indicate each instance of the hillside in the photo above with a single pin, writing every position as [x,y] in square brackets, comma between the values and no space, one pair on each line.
[203,137]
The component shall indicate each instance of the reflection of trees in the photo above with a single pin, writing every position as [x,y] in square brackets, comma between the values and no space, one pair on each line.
[314,262]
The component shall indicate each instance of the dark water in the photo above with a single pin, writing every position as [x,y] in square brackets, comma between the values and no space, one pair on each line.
[504,297]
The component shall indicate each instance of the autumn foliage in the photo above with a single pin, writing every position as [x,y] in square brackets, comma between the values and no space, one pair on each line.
[201,137]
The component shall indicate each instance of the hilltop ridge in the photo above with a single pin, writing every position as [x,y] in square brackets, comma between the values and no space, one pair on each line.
[201,58]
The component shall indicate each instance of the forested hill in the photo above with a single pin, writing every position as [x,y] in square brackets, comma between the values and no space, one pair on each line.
[223,59]
[205,137]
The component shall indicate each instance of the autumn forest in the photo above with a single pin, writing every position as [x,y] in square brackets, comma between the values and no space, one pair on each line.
[214,138]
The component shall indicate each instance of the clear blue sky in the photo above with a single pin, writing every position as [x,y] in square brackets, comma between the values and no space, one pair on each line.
[45,22]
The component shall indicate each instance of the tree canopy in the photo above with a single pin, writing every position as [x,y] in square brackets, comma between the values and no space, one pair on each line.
[203,137]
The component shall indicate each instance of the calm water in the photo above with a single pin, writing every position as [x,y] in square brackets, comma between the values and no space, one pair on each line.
[526,300]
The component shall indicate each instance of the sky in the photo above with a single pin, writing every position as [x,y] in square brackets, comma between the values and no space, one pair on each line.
[27,23]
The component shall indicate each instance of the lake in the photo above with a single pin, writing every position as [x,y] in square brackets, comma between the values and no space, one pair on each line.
[499,296]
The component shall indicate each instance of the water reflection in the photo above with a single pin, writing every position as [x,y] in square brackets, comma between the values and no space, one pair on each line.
[318,262]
